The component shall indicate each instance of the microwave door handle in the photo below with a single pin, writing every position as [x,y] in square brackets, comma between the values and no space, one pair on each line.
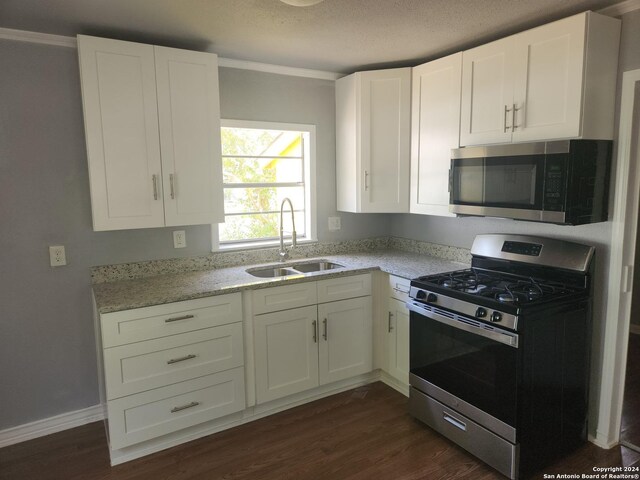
[492,334]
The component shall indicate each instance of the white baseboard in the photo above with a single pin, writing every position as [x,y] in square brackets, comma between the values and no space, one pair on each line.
[47,426]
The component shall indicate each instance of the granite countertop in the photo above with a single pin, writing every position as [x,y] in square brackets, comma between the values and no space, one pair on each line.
[160,289]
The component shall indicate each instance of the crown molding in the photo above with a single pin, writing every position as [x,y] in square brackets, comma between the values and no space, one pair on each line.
[37,37]
[70,42]
[621,8]
[279,69]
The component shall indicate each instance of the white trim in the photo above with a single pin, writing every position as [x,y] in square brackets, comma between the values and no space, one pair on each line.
[36,37]
[279,69]
[621,8]
[71,42]
[621,260]
[310,181]
[50,425]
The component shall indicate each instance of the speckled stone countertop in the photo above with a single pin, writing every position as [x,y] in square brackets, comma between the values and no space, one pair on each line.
[168,288]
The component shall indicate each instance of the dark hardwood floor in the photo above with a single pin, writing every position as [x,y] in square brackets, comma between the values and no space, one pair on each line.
[630,426]
[362,434]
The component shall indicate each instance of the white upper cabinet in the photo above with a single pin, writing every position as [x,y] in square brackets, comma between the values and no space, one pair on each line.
[435,127]
[551,82]
[152,123]
[373,141]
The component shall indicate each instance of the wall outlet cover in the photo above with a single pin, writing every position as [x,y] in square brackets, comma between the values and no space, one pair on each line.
[57,256]
[179,239]
[334,224]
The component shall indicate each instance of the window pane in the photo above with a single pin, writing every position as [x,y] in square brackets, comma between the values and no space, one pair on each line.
[262,170]
[262,199]
[259,226]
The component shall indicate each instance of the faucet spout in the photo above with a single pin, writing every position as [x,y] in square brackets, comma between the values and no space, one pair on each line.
[283,254]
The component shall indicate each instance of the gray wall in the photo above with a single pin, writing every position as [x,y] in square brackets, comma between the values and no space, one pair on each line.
[47,350]
[46,331]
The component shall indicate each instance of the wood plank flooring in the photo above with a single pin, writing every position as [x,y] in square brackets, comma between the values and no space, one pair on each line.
[630,425]
[362,434]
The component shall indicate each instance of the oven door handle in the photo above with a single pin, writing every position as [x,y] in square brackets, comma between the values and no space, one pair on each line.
[510,339]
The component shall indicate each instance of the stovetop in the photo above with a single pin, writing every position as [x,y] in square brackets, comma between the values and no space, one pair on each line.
[494,288]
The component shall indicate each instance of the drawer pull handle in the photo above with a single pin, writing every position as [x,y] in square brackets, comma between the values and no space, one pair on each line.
[324,335]
[400,290]
[175,319]
[181,359]
[315,331]
[390,327]
[455,422]
[184,407]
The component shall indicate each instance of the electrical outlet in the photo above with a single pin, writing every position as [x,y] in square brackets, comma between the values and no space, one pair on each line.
[57,256]
[334,224]
[179,239]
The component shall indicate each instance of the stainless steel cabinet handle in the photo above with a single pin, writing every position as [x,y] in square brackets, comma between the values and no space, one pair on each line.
[390,324]
[506,112]
[173,192]
[366,180]
[181,359]
[315,331]
[154,179]
[455,422]
[514,118]
[184,407]
[175,319]
[324,335]
[400,290]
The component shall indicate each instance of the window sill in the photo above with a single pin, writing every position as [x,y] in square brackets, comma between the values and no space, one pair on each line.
[231,247]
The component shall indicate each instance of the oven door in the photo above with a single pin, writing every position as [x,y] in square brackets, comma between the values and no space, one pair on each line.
[466,364]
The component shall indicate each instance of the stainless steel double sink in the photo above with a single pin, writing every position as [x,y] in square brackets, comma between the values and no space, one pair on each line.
[295,269]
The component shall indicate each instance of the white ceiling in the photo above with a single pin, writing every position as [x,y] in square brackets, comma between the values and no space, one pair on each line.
[336,35]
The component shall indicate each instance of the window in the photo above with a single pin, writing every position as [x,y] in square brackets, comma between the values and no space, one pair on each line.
[263,163]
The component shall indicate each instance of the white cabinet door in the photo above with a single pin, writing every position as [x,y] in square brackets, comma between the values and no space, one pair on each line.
[121,128]
[286,352]
[548,66]
[189,120]
[487,93]
[435,131]
[346,339]
[373,141]
[398,341]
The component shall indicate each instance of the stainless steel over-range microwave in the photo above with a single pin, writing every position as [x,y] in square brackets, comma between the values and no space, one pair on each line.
[564,182]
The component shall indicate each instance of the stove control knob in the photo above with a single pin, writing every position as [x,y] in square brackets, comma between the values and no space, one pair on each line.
[421,294]
[495,317]
[481,312]
[432,298]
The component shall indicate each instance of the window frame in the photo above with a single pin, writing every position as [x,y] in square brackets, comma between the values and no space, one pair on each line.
[309,183]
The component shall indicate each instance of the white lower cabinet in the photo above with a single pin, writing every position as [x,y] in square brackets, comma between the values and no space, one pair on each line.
[286,352]
[397,331]
[301,348]
[169,367]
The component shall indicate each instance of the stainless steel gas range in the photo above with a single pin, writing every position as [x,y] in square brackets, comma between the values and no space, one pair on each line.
[499,353]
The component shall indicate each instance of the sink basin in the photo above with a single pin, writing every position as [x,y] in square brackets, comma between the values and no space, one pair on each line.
[297,269]
[316,266]
[271,272]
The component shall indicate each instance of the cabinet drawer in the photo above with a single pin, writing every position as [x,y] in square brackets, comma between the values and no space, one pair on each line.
[155,363]
[342,288]
[146,323]
[147,415]
[399,288]
[283,298]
